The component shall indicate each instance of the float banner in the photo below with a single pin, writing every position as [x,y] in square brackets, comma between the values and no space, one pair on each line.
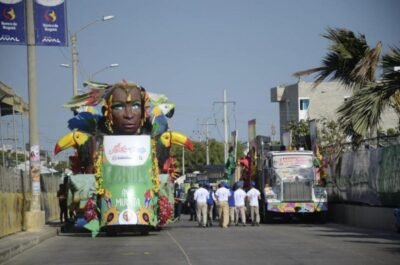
[128,197]
[50,23]
[12,22]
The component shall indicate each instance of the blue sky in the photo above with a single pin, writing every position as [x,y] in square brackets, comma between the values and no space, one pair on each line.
[191,51]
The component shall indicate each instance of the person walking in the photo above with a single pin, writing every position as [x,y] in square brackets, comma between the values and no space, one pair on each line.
[253,195]
[62,203]
[232,209]
[177,201]
[240,196]
[201,196]
[191,203]
[222,195]
[210,205]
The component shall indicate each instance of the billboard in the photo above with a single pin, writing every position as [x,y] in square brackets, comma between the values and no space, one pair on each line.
[50,22]
[12,22]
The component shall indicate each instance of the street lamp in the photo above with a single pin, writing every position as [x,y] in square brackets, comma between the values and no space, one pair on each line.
[113,65]
[74,52]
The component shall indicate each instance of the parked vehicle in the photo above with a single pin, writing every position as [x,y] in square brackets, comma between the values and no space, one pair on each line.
[288,183]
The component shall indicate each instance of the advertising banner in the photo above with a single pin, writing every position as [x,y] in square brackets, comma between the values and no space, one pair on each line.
[50,23]
[127,180]
[12,22]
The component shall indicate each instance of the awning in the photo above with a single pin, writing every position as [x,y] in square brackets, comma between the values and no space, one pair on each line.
[9,101]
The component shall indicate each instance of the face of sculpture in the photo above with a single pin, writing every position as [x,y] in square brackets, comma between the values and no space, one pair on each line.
[126,110]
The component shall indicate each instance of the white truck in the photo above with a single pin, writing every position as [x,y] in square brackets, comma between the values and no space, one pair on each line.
[288,183]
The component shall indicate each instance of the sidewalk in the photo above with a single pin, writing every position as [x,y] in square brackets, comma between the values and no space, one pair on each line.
[17,243]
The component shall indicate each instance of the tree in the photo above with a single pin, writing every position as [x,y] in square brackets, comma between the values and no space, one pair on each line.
[330,138]
[299,130]
[353,63]
[197,158]
[61,166]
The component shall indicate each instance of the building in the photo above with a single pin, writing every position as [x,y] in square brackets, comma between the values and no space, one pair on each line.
[10,105]
[300,101]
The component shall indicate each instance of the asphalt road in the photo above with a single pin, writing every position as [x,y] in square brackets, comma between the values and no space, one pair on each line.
[186,243]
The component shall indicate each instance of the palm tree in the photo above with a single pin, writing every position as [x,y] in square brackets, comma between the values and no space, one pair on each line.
[349,60]
[391,78]
[353,63]
[364,109]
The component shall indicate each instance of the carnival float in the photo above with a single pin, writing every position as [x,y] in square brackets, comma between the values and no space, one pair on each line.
[122,171]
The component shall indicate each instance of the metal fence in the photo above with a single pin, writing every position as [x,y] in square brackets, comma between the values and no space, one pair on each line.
[12,180]
[377,142]
[15,198]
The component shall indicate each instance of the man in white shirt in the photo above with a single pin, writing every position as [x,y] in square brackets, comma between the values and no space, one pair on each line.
[201,196]
[253,195]
[222,195]
[240,196]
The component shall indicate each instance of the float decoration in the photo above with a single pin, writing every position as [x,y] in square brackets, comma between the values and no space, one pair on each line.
[88,132]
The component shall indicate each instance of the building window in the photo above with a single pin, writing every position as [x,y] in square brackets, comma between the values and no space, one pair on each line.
[304,103]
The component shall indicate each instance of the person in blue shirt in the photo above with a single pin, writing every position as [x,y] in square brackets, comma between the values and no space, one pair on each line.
[231,203]
[210,205]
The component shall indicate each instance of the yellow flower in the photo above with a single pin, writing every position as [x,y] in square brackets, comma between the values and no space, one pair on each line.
[111,216]
[155,173]
[144,216]
[98,173]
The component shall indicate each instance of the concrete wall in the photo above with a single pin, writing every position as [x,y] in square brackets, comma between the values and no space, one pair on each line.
[379,218]
[11,212]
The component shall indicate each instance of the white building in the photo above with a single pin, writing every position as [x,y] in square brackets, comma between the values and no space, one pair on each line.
[301,101]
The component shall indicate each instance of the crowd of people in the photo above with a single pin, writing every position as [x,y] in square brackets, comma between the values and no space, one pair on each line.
[230,205]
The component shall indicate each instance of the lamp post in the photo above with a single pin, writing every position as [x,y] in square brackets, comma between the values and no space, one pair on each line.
[74,52]
[113,65]
[35,217]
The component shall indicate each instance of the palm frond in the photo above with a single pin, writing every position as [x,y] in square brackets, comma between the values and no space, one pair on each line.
[346,60]
[364,109]
[365,69]
[307,71]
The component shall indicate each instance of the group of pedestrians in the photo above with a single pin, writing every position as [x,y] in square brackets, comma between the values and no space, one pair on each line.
[233,204]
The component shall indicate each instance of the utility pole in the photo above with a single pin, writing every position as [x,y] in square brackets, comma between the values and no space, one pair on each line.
[34,218]
[183,160]
[225,102]
[207,146]
[75,62]
[15,137]
[225,127]
[74,51]
[1,139]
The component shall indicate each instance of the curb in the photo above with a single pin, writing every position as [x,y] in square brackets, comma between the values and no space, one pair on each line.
[23,241]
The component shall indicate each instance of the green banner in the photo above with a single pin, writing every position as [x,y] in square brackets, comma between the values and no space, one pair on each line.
[127,179]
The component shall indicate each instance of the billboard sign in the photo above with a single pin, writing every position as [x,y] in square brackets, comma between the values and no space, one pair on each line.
[12,22]
[50,23]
